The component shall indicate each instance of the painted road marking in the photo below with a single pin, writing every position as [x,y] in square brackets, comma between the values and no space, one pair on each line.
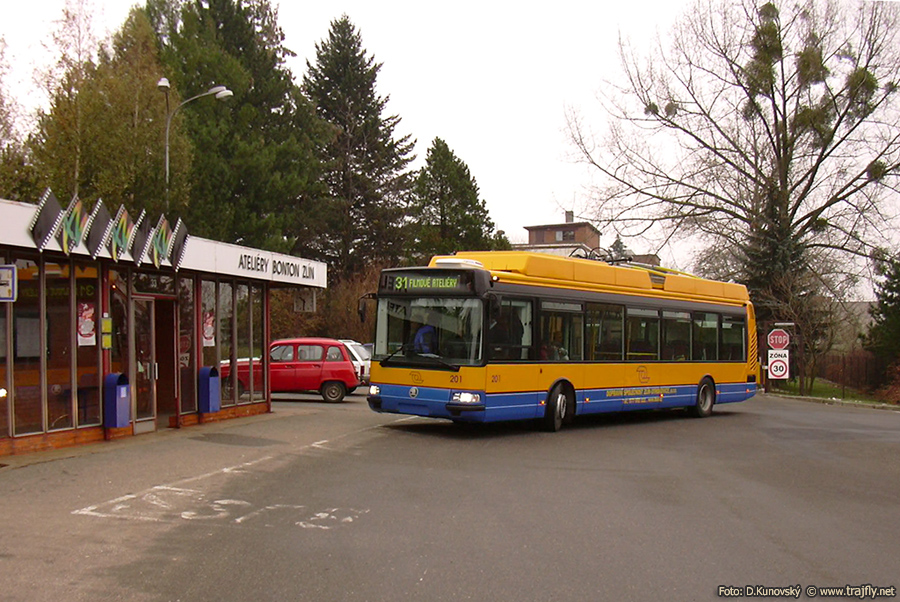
[187,500]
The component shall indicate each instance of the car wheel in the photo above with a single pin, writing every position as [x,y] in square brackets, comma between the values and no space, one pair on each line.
[333,392]
[706,397]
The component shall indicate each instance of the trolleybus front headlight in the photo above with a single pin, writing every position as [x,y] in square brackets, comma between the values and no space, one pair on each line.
[374,390]
[466,397]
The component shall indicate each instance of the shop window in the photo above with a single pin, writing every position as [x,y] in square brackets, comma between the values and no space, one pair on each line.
[243,316]
[153,283]
[186,345]
[226,340]
[118,307]
[87,341]
[208,315]
[4,357]
[144,382]
[257,335]
[58,313]
[28,410]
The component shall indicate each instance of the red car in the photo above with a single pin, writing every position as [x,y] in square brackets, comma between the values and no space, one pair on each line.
[305,364]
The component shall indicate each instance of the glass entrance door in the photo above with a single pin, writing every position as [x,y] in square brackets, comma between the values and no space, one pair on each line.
[145,365]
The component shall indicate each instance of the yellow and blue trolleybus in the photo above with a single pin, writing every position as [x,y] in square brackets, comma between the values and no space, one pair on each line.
[508,335]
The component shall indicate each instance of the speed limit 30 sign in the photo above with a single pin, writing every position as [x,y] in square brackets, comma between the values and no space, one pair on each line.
[779,360]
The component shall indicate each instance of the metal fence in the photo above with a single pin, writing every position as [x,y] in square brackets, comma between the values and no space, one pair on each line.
[859,370]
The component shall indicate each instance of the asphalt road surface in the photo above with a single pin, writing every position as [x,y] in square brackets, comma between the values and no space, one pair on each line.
[335,502]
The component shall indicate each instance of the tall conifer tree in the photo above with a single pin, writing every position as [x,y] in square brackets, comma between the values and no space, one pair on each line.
[255,170]
[365,171]
[446,210]
[883,338]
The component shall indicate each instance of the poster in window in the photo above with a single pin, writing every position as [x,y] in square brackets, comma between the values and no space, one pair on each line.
[87,325]
[209,329]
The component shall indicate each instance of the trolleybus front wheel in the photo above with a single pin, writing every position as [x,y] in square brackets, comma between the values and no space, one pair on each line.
[706,397]
[559,410]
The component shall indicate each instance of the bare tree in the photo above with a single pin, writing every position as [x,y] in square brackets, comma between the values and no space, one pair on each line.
[17,176]
[75,46]
[770,133]
[7,134]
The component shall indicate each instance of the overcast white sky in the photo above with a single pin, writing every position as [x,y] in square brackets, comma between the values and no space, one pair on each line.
[490,78]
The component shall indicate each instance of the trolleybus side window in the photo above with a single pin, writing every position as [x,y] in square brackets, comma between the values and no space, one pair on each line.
[511,330]
[562,331]
[604,332]
[642,327]
[676,335]
[734,338]
[706,336]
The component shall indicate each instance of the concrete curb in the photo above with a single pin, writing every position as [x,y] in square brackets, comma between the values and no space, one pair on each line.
[873,405]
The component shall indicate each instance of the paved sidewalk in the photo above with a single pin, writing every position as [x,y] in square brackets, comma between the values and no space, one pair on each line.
[101,447]
[283,406]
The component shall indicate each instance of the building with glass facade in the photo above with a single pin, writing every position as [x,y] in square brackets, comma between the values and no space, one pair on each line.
[112,326]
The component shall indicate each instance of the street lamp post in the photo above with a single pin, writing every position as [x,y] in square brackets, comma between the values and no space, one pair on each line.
[220,92]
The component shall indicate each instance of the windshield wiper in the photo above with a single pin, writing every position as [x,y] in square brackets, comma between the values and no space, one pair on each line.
[438,359]
[403,347]
[409,359]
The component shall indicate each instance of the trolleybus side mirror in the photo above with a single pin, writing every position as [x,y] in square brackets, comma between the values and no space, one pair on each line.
[493,303]
[361,306]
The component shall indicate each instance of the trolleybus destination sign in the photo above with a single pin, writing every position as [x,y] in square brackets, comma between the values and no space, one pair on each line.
[434,281]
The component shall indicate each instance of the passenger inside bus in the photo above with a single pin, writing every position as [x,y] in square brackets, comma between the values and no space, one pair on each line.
[506,334]
[555,350]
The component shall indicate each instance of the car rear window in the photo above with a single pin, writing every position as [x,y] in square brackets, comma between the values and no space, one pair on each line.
[361,352]
[334,354]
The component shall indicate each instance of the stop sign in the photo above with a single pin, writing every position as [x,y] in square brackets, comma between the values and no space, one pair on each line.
[778,339]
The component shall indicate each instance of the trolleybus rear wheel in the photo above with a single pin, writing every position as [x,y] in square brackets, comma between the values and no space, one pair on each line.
[706,397]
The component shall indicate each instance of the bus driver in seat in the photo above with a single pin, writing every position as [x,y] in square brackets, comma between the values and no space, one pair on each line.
[425,340]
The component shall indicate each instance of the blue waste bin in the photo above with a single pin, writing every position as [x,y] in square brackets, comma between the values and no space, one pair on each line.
[210,400]
[116,401]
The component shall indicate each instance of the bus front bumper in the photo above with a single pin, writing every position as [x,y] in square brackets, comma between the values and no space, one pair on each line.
[435,403]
